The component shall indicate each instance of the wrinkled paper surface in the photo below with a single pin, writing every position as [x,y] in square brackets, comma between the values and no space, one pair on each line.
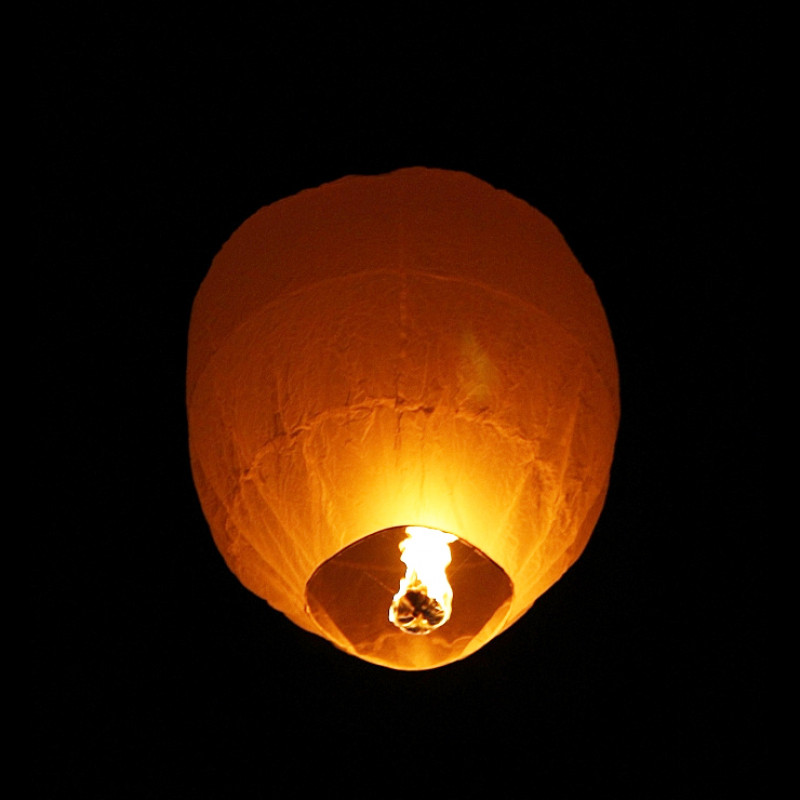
[416,348]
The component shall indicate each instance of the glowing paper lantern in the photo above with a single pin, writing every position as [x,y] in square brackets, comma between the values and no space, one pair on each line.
[411,350]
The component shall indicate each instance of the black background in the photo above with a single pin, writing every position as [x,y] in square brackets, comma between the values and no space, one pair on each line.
[155,134]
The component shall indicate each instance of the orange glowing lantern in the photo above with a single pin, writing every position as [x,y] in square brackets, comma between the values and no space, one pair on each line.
[403,400]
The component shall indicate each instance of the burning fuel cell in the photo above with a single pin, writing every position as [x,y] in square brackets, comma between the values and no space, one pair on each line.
[424,601]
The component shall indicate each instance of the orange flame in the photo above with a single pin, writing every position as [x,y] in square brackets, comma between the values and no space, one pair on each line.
[424,601]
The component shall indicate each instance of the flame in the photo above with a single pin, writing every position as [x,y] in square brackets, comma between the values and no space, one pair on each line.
[424,601]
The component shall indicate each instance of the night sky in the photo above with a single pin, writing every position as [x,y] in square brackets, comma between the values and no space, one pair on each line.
[155,673]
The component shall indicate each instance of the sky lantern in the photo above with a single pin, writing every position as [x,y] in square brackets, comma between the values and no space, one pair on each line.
[403,401]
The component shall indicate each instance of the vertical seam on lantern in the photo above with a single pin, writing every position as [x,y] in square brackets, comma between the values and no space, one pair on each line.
[402,299]
[280,544]
[543,537]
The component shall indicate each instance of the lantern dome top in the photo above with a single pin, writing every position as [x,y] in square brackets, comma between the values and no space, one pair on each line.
[509,247]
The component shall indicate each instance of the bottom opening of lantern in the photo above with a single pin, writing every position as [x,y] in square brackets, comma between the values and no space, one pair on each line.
[353,598]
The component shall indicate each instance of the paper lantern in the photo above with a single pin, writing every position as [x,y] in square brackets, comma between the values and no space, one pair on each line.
[415,350]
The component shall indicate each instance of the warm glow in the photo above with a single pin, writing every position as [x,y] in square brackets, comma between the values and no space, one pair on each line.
[412,348]
[424,601]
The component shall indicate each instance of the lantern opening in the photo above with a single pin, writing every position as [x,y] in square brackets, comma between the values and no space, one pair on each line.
[424,601]
[349,594]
